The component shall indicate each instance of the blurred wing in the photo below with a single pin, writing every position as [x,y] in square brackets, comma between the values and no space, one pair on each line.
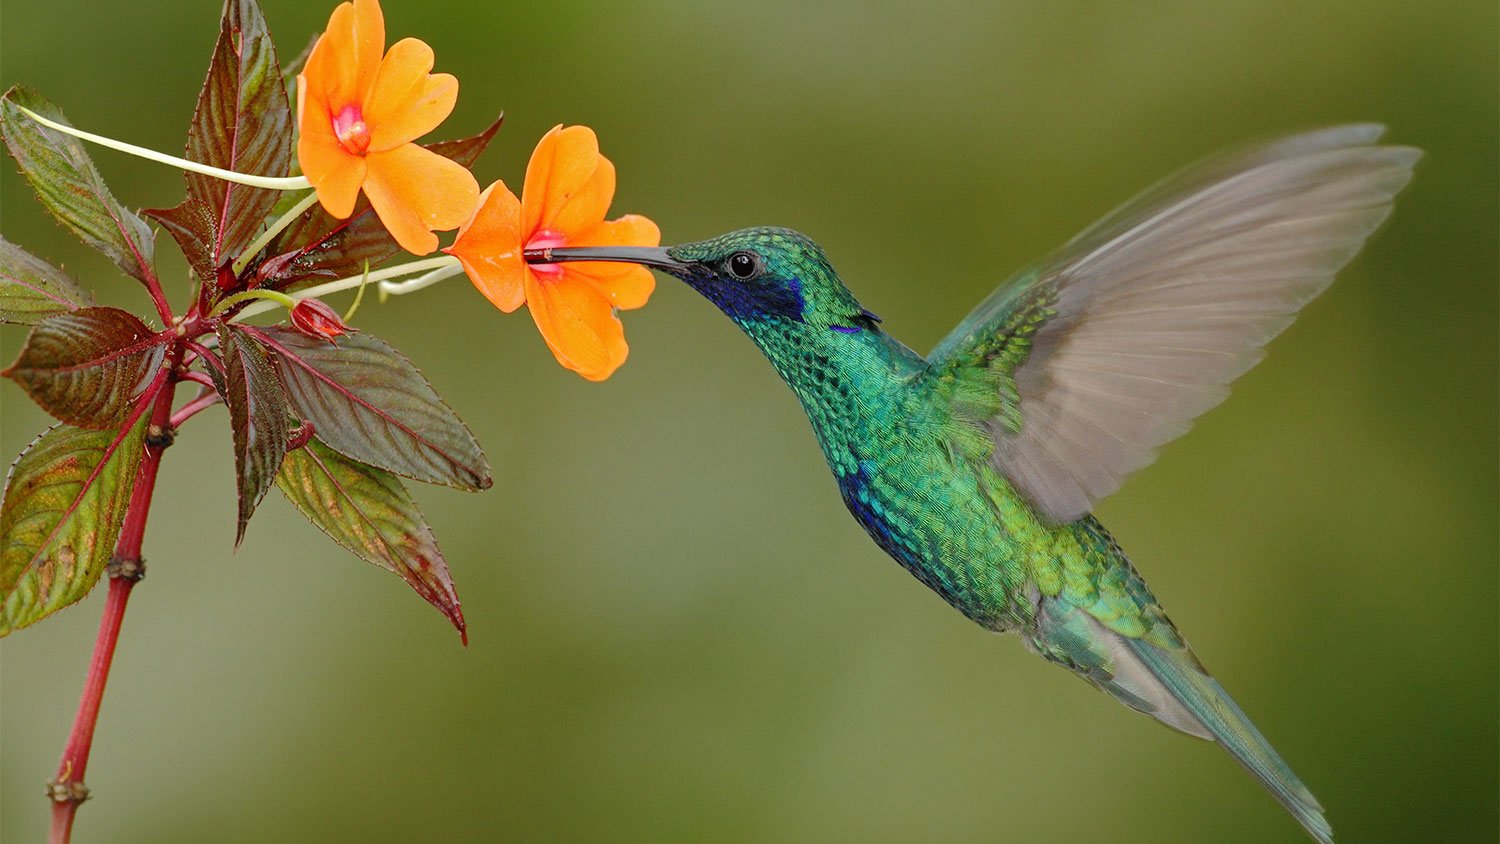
[1138,325]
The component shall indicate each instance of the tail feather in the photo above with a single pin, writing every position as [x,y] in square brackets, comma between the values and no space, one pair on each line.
[1217,712]
[1169,684]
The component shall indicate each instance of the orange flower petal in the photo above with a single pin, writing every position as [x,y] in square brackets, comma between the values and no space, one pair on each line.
[586,206]
[627,286]
[579,326]
[561,165]
[332,171]
[369,43]
[344,60]
[629,230]
[416,191]
[405,102]
[489,247]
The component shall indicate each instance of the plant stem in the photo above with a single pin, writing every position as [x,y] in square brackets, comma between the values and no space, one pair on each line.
[401,288]
[203,402]
[250,179]
[274,296]
[271,231]
[197,377]
[158,297]
[439,262]
[125,569]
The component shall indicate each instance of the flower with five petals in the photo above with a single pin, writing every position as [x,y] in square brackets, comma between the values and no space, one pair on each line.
[358,113]
[567,192]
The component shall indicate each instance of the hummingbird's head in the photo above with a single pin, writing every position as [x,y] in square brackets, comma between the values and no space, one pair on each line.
[755,276]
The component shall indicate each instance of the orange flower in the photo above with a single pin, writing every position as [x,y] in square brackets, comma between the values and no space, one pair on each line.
[358,113]
[569,186]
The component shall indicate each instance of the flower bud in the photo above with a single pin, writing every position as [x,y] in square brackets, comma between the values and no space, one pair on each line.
[315,319]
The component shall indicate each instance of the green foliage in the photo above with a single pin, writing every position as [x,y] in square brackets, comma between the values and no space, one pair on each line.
[64,503]
[369,512]
[367,401]
[257,418]
[242,123]
[32,289]
[86,367]
[66,182]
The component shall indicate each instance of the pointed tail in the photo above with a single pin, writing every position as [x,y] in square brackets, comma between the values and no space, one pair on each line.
[1213,708]
[1169,684]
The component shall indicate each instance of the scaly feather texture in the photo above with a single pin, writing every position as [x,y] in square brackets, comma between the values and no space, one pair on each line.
[977,467]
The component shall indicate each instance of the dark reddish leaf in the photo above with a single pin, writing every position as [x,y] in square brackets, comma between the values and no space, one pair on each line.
[315,319]
[317,244]
[367,401]
[242,123]
[257,418]
[68,185]
[211,363]
[64,503]
[86,366]
[369,512]
[32,289]
[466,151]
[290,70]
[192,225]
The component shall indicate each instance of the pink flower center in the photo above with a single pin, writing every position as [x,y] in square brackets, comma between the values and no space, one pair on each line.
[349,127]
[546,239]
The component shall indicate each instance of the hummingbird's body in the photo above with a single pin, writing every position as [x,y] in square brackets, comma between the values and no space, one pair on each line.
[912,472]
[977,466]
[889,442]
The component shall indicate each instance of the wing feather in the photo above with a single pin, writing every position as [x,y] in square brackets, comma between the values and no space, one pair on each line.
[1158,307]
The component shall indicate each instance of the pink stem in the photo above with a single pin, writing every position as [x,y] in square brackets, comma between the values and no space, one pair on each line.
[193,408]
[158,297]
[125,569]
[198,378]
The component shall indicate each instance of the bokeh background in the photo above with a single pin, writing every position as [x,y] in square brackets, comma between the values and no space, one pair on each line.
[677,633]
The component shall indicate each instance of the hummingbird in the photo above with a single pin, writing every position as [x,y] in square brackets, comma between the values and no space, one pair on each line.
[978,466]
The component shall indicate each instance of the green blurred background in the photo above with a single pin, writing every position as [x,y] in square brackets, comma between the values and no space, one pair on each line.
[677,633]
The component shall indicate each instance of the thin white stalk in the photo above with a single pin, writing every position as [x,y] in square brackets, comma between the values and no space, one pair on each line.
[401,288]
[271,182]
[270,233]
[432,266]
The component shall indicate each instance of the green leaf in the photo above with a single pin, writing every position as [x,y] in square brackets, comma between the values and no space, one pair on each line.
[68,185]
[86,366]
[317,244]
[64,503]
[32,289]
[242,123]
[366,400]
[257,418]
[369,512]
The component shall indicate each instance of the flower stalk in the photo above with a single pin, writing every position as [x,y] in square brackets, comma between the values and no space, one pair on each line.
[126,568]
[271,231]
[271,298]
[248,179]
[435,269]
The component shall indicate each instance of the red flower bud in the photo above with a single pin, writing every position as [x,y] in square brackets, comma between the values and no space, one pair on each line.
[315,319]
[226,280]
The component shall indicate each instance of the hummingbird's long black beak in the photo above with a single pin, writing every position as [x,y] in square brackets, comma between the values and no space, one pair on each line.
[656,257]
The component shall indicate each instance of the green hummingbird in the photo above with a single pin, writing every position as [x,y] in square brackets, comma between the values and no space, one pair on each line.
[977,467]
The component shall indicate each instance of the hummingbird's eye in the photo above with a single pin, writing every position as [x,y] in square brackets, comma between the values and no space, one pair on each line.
[743,265]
